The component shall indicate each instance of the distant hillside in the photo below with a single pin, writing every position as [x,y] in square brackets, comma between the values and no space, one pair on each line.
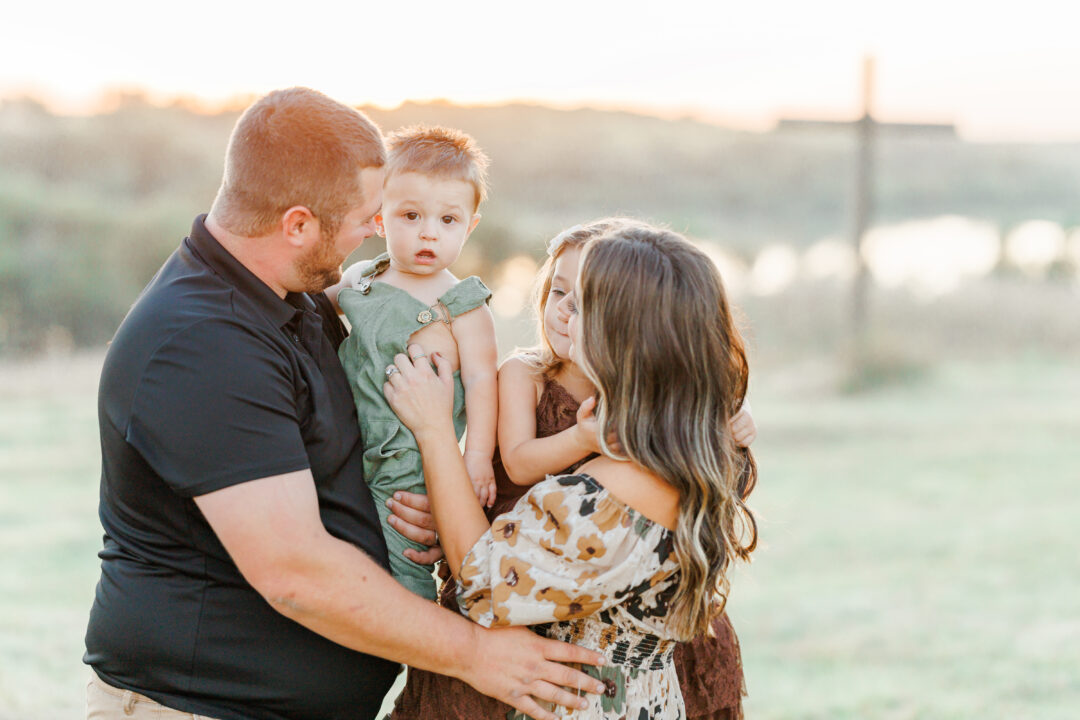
[89,206]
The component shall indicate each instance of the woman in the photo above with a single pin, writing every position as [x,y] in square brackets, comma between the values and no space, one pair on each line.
[627,554]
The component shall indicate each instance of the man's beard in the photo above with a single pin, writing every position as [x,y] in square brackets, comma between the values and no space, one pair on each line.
[320,267]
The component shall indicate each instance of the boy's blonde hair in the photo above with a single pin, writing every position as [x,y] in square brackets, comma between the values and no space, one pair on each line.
[441,152]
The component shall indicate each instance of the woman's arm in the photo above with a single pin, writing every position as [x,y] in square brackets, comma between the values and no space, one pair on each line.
[474,333]
[425,401]
[526,458]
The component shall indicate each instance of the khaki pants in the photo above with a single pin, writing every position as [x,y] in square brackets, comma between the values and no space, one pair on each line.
[105,702]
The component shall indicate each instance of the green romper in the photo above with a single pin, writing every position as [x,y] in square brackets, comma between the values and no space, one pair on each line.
[383,318]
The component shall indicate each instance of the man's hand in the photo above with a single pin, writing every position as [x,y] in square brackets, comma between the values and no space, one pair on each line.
[518,667]
[412,518]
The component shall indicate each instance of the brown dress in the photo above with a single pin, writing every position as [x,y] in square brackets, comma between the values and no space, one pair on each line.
[709,669]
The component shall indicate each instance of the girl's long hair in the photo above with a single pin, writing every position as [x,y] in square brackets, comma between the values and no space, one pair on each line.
[659,343]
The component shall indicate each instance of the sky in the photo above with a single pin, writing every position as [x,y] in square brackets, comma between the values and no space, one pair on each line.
[1009,73]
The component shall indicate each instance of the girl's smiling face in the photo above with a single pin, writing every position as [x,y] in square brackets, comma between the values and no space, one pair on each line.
[558,306]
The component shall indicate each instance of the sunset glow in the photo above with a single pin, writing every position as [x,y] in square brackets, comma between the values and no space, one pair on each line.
[995,74]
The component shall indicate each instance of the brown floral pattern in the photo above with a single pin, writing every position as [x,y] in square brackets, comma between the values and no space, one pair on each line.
[594,572]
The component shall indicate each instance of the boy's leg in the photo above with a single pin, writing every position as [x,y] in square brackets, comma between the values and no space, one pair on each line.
[392,463]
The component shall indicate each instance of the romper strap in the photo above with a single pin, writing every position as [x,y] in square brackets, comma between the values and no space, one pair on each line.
[371,268]
[467,295]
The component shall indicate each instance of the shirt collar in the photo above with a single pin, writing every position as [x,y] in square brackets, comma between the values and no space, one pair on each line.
[225,265]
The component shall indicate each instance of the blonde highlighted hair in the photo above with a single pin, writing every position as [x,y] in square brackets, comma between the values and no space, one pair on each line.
[440,152]
[660,345]
[295,147]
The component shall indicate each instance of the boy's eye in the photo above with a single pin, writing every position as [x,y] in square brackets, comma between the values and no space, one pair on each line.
[448,219]
[411,215]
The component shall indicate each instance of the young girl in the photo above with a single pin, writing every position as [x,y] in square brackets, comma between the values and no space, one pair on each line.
[546,426]
[434,185]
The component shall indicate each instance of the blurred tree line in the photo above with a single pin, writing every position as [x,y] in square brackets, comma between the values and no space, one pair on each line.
[91,206]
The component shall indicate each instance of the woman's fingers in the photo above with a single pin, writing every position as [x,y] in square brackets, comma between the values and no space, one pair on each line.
[419,397]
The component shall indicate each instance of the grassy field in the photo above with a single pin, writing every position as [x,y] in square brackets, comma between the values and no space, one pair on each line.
[918,554]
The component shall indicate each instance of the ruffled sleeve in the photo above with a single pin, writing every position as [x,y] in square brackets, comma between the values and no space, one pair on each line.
[467,295]
[567,550]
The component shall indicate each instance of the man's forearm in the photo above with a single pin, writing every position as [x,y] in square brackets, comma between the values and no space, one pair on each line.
[340,593]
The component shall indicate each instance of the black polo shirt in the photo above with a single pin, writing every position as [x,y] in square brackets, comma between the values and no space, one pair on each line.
[213,380]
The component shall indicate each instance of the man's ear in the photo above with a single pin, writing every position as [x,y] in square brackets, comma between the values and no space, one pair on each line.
[299,226]
[379,229]
[472,225]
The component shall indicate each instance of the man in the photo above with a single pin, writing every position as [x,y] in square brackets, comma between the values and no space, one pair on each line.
[244,572]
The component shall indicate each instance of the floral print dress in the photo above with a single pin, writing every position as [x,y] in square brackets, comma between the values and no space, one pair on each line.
[594,572]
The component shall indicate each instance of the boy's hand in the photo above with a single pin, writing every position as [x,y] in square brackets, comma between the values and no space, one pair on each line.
[482,475]
[743,427]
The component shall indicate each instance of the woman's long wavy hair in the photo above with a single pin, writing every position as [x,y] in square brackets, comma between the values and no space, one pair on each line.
[659,343]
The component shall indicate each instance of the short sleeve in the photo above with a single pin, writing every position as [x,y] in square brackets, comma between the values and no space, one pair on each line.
[567,550]
[467,295]
[216,406]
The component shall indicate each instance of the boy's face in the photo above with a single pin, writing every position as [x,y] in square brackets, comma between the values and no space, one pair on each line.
[426,221]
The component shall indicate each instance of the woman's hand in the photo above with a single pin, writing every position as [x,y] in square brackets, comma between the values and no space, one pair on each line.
[423,399]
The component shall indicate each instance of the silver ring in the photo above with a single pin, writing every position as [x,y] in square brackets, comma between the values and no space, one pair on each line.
[390,370]
[417,357]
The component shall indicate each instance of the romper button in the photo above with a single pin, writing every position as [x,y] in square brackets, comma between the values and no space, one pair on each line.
[424,316]
[296,338]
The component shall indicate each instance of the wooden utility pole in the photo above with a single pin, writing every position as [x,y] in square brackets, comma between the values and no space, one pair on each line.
[864,174]
[866,130]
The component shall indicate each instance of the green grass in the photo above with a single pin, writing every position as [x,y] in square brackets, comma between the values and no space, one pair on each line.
[917,559]
[919,549]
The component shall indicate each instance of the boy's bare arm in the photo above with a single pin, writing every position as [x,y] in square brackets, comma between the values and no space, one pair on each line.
[474,333]
[526,458]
